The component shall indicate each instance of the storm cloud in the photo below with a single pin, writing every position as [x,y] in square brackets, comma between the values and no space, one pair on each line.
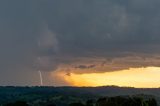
[110,34]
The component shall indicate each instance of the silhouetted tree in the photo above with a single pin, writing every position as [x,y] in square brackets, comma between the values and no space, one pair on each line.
[51,104]
[101,102]
[89,103]
[17,103]
[76,104]
[152,102]
[125,101]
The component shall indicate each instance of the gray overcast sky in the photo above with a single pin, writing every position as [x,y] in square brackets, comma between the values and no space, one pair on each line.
[47,34]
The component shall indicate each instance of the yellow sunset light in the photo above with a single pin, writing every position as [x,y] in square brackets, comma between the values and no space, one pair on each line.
[148,77]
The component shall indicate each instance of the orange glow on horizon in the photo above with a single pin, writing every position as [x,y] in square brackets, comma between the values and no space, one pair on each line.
[148,77]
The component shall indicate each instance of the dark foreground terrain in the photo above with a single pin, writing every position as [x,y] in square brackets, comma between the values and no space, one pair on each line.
[78,96]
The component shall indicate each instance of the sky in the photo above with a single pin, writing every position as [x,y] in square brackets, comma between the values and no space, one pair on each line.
[78,42]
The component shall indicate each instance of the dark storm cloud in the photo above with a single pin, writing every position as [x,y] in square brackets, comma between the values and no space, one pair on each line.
[85,67]
[42,34]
